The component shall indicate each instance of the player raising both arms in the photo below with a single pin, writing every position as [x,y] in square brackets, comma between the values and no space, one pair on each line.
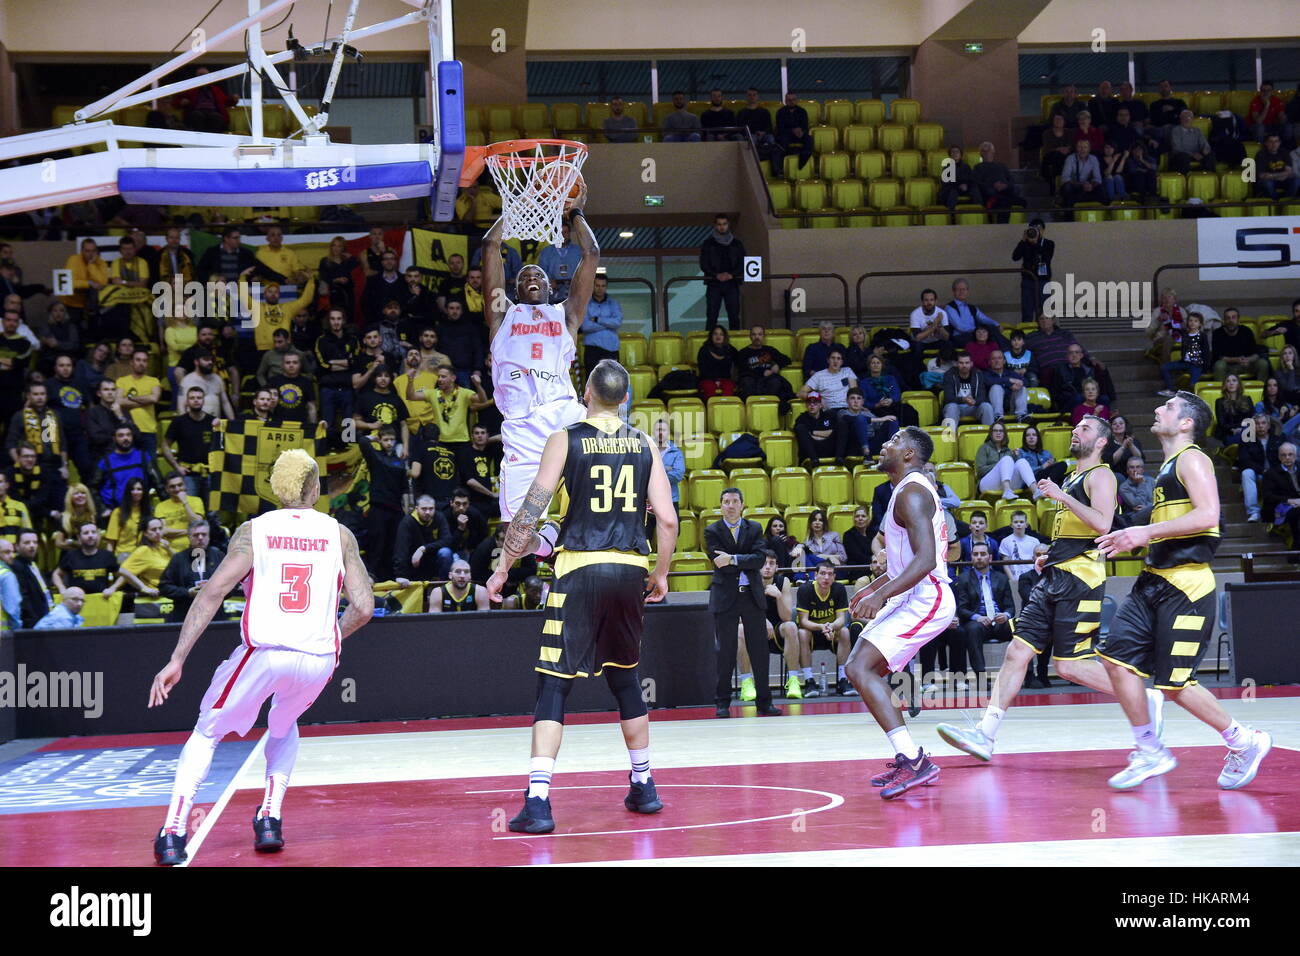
[1163,628]
[905,610]
[533,344]
[1064,609]
[291,633]
[595,608]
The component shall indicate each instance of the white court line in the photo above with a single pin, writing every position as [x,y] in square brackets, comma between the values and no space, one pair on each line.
[192,846]
[835,801]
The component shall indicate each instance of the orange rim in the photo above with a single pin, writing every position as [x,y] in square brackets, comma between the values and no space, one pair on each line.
[476,157]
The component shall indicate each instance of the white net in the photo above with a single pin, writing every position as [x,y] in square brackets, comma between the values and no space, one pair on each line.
[534,182]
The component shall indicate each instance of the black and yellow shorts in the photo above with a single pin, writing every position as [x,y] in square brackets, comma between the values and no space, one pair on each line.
[1064,613]
[594,614]
[1163,629]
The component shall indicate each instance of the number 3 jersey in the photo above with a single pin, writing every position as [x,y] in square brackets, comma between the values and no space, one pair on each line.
[606,474]
[293,587]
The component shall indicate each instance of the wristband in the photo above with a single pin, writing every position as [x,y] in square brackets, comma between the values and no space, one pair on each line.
[576,212]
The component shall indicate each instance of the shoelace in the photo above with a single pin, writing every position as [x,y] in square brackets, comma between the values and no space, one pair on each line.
[1233,760]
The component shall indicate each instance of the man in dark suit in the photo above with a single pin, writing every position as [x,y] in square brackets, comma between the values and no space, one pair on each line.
[1281,486]
[736,597]
[984,606]
[188,570]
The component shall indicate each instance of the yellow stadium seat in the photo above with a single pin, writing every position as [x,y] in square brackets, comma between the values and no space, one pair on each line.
[500,117]
[794,171]
[780,448]
[706,487]
[596,114]
[687,415]
[864,218]
[969,216]
[1232,188]
[848,194]
[898,216]
[810,194]
[688,532]
[968,508]
[904,111]
[1203,186]
[884,194]
[920,191]
[1003,509]
[971,156]
[753,484]
[959,476]
[691,561]
[499,134]
[1259,207]
[782,195]
[761,515]
[826,139]
[780,339]
[726,414]
[814,110]
[865,482]
[658,111]
[905,164]
[1056,439]
[832,485]
[762,413]
[833,166]
[101,611]
[969,439]
[794,375]
[1207,102]
[1125,211]
[933,216]
[925,403]
[927,136]
[934,162]
[859,139]
[644,414]
[699,450]
[642,378]
[797,407]
[474,119]
[668,348]
[891,137]
[870,112]
[694,340]
[791,486]
[1239,102]
[1172,186]
[796,521]
[633,349]
[840,517]
[1089,212]
[945,449]
[869,165]
[837,113]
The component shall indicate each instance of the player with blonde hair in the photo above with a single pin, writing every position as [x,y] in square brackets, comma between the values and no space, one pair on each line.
[291,634]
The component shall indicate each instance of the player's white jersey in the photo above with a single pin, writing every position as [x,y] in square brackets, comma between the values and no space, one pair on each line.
[531,355]
[898,550]
[293,586]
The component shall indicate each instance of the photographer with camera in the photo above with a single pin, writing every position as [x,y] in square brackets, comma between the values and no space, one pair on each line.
[1035,251]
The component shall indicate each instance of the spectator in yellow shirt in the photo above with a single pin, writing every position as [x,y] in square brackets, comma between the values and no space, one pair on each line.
[144,568]
[419,378]
[14,515]
[178,510]
[452,404]
[277,257]
[124,524]
[140,393]
[125,305]
[89,273]
[271,314]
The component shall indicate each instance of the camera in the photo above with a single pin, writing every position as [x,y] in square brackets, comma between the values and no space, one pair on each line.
[1031,234]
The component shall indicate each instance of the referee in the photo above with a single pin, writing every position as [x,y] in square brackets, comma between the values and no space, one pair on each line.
[736,596]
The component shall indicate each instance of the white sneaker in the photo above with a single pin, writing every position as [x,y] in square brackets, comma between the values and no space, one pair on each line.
[972,741]
[1008,495]
[1240,766]
[1143,765]
[961,685]
[1156,713]
[1253,516]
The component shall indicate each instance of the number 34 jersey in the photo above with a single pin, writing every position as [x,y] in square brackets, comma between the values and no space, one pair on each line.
[293,586]
[606,474]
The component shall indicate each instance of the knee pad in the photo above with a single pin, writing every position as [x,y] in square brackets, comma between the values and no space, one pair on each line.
[552,692]
[625,685]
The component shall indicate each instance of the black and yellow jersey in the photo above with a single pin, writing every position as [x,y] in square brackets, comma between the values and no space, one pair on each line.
[822,608]
[1071,535]
[607,476]
[451,603]
[1173,501]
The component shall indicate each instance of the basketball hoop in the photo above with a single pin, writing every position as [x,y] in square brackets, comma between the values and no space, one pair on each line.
[537,180]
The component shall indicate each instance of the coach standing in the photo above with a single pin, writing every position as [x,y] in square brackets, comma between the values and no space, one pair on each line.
[732,544]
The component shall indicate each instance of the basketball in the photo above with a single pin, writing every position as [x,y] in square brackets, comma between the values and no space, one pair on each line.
[862,593]
[554,177]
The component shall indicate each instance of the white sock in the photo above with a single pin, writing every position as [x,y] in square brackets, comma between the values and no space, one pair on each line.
[807,673]
[281,755]
[745,677]
[1146,738]
[191,771]
[840,673]
[989,722]
[902,742]
[640,764]
[540,770]
[1236,736]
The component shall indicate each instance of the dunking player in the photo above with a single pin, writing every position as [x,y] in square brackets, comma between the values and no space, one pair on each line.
[533,345]
[1064,609]
[1163,629]
[595,608]
[909,609]
[291,634]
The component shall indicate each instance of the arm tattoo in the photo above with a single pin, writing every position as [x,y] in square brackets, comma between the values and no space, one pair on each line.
[519,537]
[208,601]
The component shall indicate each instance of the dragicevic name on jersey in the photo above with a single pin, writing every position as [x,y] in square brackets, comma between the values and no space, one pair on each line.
[531,355]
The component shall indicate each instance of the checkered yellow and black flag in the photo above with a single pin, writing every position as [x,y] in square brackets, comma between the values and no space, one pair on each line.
[242,456]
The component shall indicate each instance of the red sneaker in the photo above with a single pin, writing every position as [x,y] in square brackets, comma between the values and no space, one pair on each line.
[907,774]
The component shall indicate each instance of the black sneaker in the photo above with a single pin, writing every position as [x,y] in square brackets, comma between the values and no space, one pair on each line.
[535,817]
[810,689]
[169,848]
[917,772]
[845,688]
[266,834]
[642,797]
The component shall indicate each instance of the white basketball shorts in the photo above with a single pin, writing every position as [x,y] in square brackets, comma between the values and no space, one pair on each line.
[523,440]
[909,621]
[249,676]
